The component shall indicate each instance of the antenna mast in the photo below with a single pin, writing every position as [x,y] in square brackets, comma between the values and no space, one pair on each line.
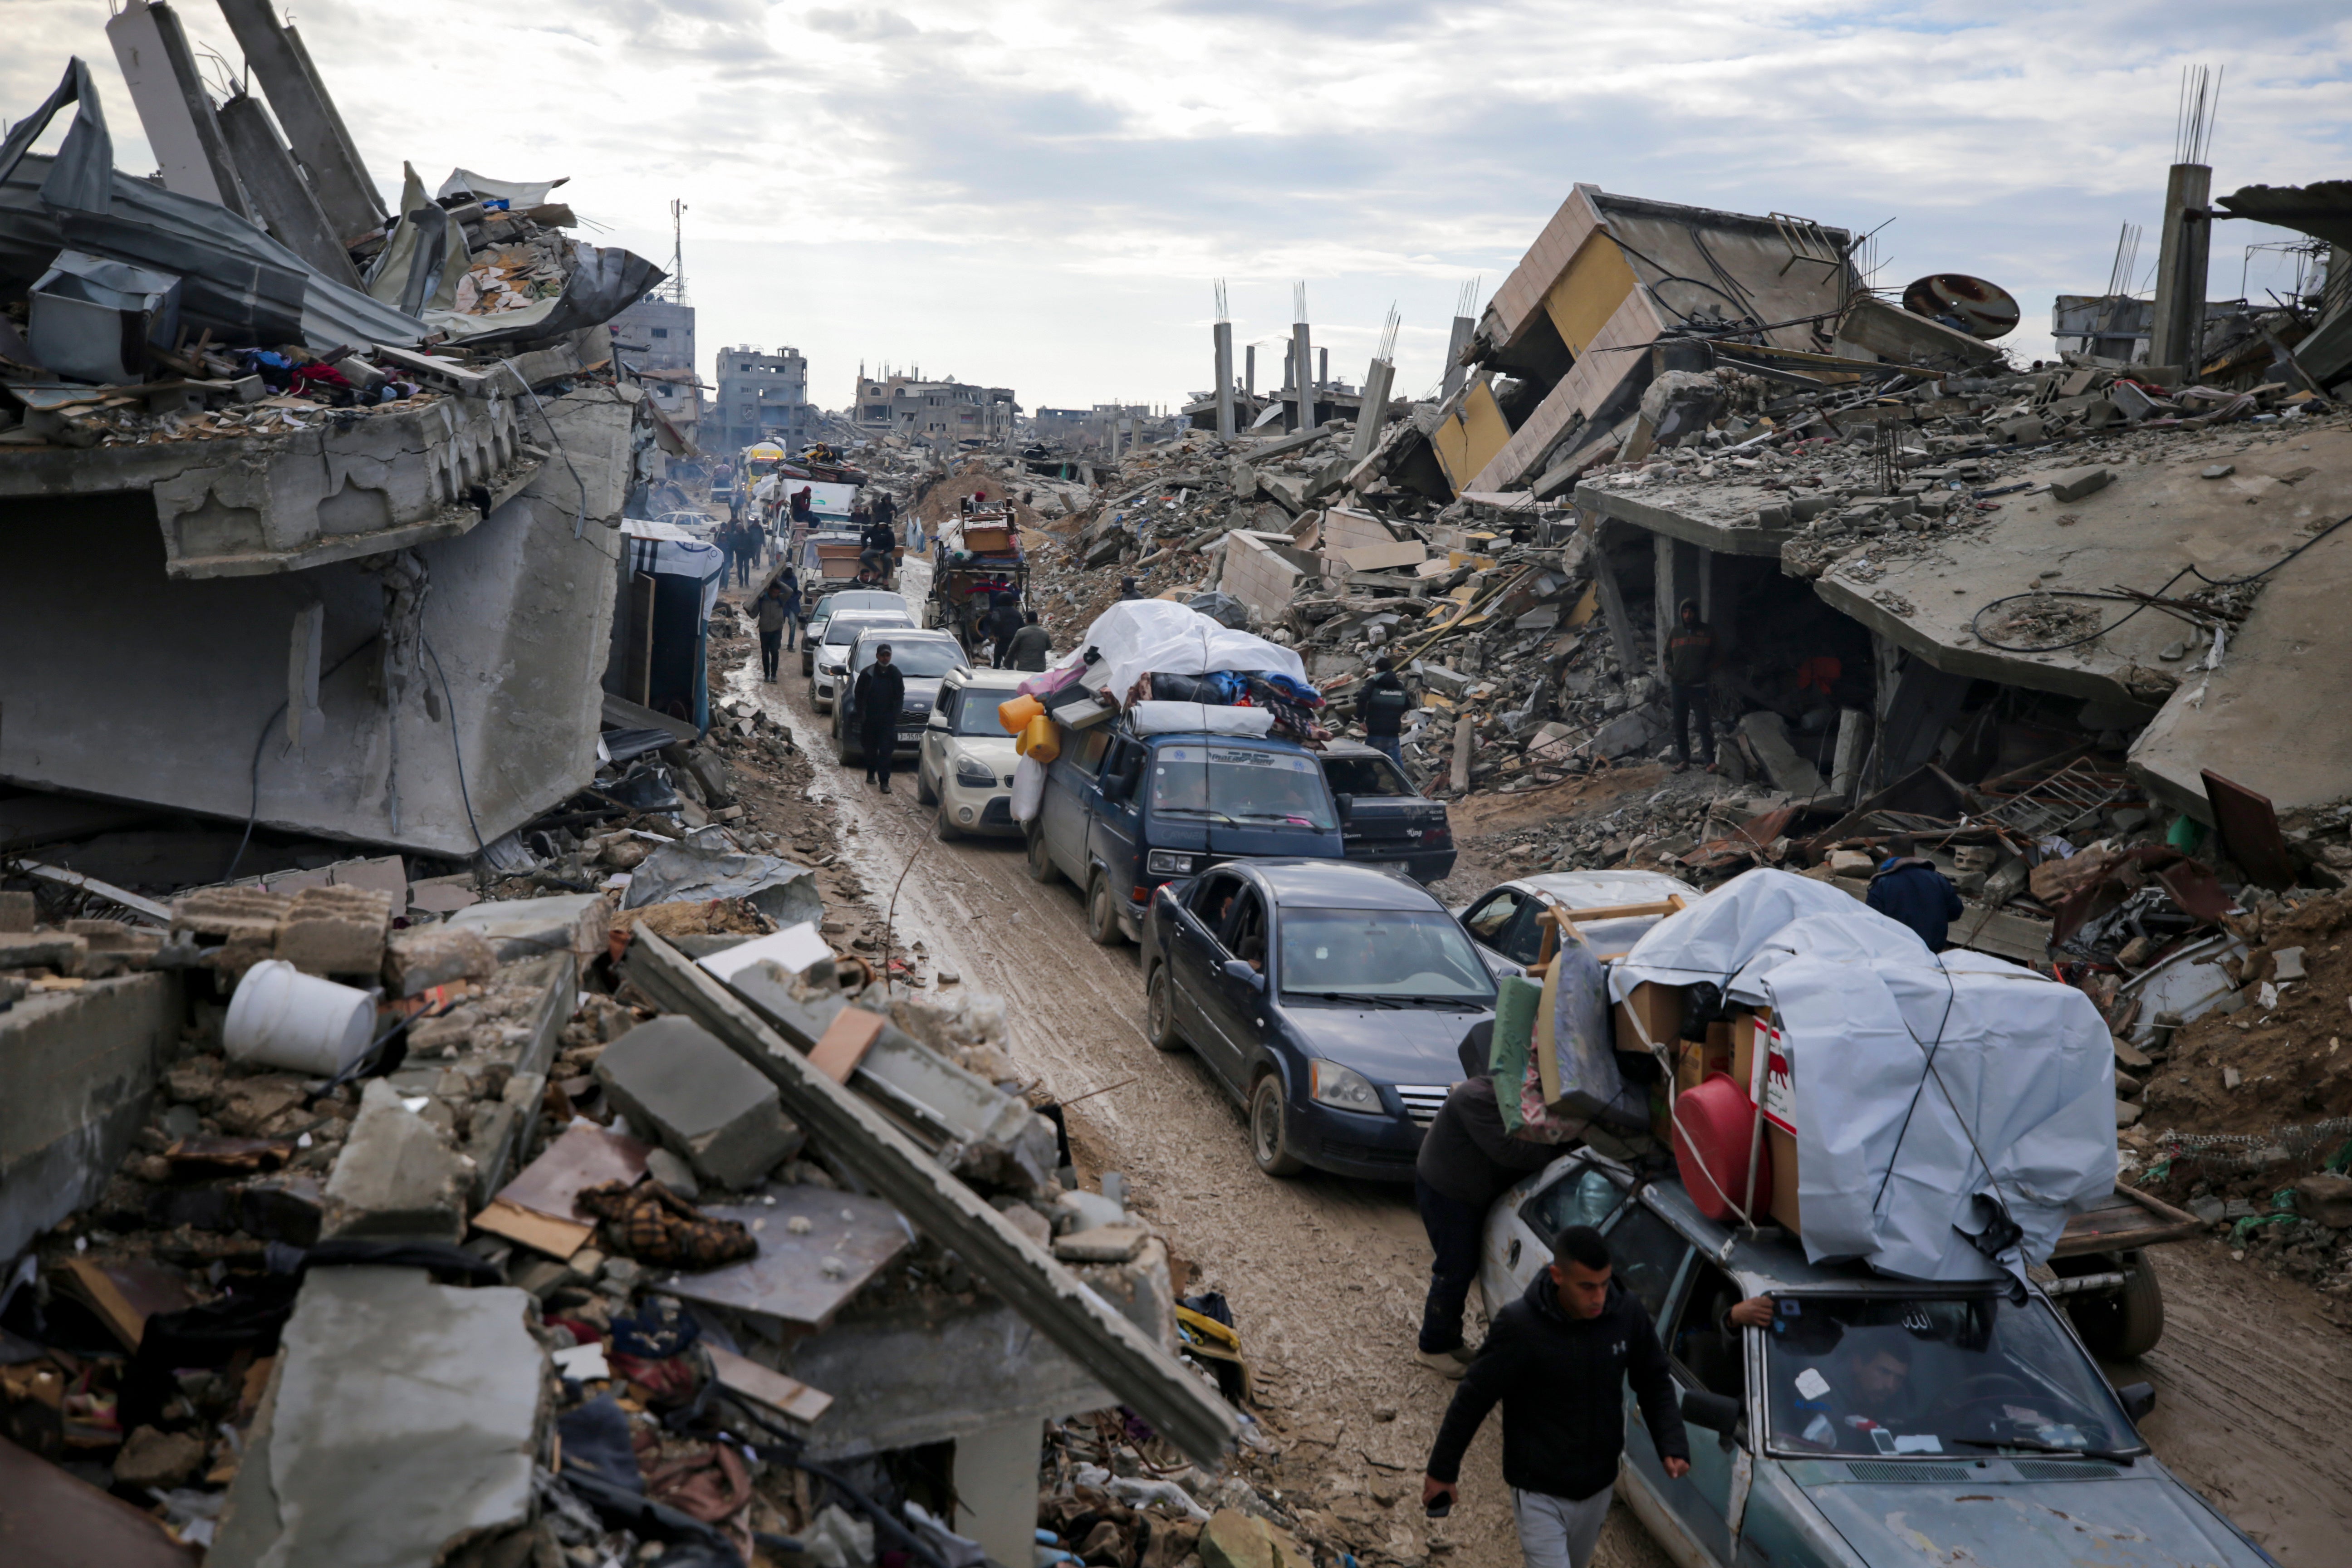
[676,288]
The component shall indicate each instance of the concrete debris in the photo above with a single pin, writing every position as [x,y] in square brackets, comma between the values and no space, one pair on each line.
[676,1083]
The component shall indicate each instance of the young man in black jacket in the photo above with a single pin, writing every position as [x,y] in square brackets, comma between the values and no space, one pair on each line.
[881,692]
[1556,1359]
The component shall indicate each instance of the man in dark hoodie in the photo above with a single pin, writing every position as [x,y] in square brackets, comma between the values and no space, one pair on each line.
[1690,660]
[1907,887]
[1382,706]
[1557,1359]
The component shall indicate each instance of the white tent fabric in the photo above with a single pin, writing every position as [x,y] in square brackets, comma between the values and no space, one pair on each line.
[1924,1089]
[1158,636]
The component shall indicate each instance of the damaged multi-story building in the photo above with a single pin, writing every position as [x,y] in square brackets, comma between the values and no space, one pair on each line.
[314,496]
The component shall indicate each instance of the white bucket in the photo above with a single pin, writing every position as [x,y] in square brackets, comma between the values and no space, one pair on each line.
[282,1018]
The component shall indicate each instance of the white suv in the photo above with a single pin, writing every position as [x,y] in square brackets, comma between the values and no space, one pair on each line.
[967,761]
[833,651]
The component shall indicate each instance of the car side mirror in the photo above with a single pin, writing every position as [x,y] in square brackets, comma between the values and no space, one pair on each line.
[1718,1412]
[1115,786]
[1347,805]
[1237,969]
[2138,1400]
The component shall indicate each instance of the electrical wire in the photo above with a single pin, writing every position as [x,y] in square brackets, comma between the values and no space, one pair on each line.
[253,812]
[456,749]
[2139,604]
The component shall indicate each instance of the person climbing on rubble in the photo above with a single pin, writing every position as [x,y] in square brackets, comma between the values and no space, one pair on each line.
[1555,1359]
[1032,647]
[1382,706]
[881,692]
[1467,1160]
[1691,658]
[1909,888]
[775,613]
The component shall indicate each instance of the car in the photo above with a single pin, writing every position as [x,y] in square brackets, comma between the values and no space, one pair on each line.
[965,767]
[1384,820]
[1124,811]
[925,659]
[1329,998]
[827,606]
[1877,1421]
[840,629]
[1503,921]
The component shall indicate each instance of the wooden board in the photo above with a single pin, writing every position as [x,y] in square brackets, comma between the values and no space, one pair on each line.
[787,1396]
[559,1238]
[2126,1220]
[844,1042]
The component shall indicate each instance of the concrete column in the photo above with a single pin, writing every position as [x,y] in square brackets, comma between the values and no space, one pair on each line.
[282,199]
[2178,333]
[322,146]
[161,71]
[1612,606]
[1853,741]
[1322,369]
[995,1477]
[1456,341]
[1916,705]
[1678,578]
[1369,411]
[1302,374]
[1249,371]
[1225,339]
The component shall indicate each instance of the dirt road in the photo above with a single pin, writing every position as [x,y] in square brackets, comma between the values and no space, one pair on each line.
[1324,1275]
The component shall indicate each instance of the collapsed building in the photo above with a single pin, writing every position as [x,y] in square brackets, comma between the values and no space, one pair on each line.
[326,528]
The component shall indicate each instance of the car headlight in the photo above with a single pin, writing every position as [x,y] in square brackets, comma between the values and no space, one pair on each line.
[1343,1089]
[974,774]
[1168,863]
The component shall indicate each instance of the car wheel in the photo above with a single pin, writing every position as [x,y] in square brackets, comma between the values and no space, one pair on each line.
[842,746]
[2126,1324]
[1159,1010]
[924,794]
[1041,864]
[949,831]
[1102,912]
[1269,1130]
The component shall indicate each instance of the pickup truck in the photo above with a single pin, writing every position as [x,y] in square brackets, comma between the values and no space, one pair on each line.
[1123,813]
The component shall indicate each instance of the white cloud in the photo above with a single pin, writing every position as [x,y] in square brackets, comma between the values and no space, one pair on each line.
[1038,194]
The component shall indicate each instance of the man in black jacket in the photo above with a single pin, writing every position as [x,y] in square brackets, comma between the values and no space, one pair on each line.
[1466,1161]
[1031,647]
[1002,621]
[1907,887]
[1382,705]
[881,692]
[1556,1359]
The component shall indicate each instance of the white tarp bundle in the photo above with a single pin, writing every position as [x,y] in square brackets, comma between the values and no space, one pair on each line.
[1921,1087]
[1158,636]
[1191,718]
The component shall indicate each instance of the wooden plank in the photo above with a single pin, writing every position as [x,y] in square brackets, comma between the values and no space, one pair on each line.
[844,1042]
[559,1238]
[787,1396]
[2124,1221]
[1131,1366]
[1613,911]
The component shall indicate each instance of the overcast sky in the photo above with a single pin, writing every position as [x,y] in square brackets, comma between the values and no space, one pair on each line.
[1040,195]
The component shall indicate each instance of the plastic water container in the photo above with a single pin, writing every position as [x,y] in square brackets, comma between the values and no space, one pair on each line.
[1016,713]
[1714,1125]
[282,1018]
[1038,739]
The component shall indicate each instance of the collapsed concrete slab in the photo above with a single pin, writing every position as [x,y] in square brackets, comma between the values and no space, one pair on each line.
[396,1180]
[676,1082]
[440,695]
[403,1420]
[76,1071]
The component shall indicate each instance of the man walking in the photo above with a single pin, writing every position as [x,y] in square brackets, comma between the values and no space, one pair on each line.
[774,615]
[881,692]
[1382,706]
[1002,623]
[1467,1160]
[1557,1359]
[1031,647]
[1690,660]
[1907,887]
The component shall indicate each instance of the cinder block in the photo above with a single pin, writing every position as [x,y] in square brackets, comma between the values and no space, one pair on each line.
[58,949]
[336,931]
[17,913]
[679,1084]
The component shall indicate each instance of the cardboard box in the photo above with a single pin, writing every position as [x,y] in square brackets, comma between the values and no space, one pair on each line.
[1784,1148]
[1660,1010]
[1694,1061]
[1743,1027]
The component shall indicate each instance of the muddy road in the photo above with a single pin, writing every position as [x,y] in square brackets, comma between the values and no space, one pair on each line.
[1325,1275]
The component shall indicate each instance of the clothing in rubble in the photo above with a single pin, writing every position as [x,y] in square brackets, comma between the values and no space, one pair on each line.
[653,1224]
[1911,890]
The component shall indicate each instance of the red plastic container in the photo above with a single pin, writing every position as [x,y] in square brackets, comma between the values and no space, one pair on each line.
[1714,1125]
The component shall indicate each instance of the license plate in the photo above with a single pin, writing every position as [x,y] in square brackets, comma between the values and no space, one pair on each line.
[909,737]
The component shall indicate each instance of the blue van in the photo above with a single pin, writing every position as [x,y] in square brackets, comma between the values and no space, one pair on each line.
[1124,812]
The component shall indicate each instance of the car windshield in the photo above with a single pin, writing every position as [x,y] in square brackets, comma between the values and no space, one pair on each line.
[1364,776]
[1881,1376]
[978,714]
[926,656]
[1417,954]
[1232,783]
[843,629]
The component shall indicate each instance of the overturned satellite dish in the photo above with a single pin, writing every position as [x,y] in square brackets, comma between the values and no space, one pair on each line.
[1979,308]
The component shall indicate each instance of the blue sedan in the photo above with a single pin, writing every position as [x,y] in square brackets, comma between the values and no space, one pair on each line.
[1328,999]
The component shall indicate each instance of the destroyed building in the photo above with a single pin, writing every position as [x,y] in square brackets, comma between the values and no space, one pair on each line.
[762,397]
